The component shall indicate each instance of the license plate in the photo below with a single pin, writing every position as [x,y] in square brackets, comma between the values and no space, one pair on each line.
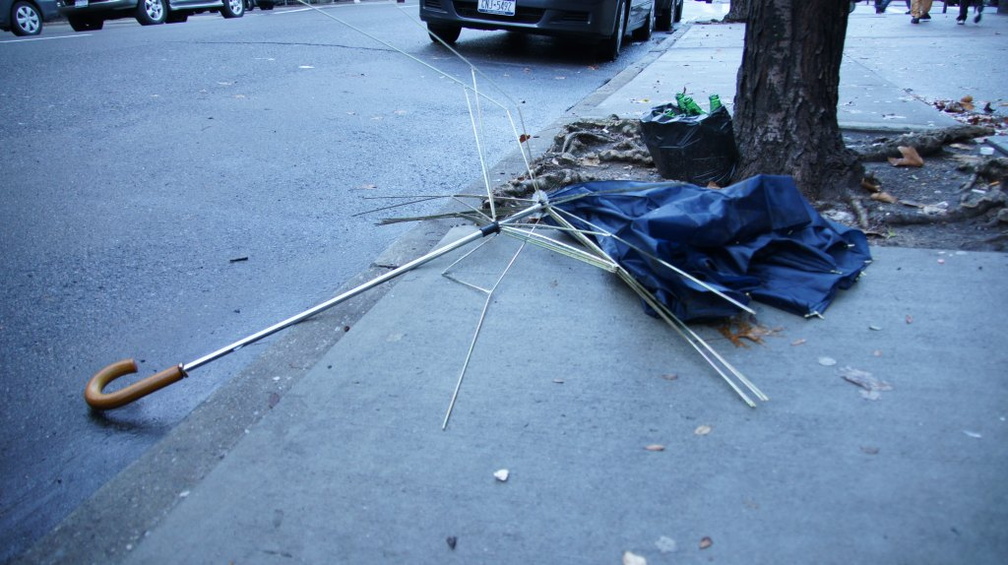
[498,7]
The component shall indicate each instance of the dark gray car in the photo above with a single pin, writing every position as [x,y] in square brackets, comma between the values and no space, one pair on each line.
[84,15]
[605,21]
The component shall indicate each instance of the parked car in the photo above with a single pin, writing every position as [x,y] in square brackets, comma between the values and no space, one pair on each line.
[26,17]
[85,15]
[606,21]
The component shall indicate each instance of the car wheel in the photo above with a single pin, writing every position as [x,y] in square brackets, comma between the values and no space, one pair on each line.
[448,33]
[85,24]
[150,12]
[25,19]
[644,32]
[612,46]
[663,22]
[233,8]
[678,13]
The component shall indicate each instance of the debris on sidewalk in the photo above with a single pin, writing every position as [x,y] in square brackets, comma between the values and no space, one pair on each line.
[631,558]
[666,544]
[871,386]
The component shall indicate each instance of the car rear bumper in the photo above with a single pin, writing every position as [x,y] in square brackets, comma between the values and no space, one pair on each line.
[548,17]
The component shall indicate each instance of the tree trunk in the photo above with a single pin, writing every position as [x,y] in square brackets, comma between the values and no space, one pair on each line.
[738,11]
[786,102]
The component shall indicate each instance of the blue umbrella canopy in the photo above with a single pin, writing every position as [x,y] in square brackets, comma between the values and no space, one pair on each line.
[758,239]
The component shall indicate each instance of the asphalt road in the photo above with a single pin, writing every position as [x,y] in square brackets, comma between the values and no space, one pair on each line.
[167,190]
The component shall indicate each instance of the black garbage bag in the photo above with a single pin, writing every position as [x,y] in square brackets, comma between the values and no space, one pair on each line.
[696,149]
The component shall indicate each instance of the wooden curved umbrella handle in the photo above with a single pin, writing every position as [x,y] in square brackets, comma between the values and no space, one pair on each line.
[96,397]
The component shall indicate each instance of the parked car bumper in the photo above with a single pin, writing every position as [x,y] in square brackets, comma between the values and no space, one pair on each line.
[547,17]
[82,7]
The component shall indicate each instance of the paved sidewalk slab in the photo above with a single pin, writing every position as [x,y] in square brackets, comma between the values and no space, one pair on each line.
[570,382]
[706,60]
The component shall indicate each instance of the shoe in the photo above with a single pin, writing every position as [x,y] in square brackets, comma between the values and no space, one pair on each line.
[926,16]
[976,18]
[961,21]
[915,20]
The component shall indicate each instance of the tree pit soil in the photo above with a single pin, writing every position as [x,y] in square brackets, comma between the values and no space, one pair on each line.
[954,201]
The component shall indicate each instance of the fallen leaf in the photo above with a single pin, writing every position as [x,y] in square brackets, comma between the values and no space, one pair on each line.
[655,447]
[737,329]
[871,184]
[706,542]
[910,158]
[884,197]
[702,430]
[502,475]
[863,379]
[630,558]
[967,102]
[524,137]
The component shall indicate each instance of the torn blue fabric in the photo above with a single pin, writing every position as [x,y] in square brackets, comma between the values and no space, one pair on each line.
[757,239]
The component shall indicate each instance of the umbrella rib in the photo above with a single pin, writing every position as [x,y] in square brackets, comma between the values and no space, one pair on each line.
[661,261]
[692,338]
[479,326]
[560,247]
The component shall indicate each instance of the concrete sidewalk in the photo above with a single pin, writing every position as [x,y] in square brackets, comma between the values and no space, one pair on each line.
[614,433]
[571,381]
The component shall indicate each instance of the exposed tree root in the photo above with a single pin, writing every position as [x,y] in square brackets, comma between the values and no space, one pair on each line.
[926,143]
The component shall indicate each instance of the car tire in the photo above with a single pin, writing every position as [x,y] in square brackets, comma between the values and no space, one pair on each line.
[663,22]
[678,13]
[233,9]
[151,12]
[612,45]
[447,32]
[85,24]
[25,19]
[644,32]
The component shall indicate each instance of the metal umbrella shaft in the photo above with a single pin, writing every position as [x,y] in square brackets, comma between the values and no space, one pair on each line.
[94,391]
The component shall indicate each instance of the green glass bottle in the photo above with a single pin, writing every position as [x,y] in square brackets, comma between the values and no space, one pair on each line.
[691,107]
[680,99]
[715,102]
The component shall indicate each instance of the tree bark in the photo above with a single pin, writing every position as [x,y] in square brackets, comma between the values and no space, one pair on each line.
[786,99]
[738,11]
